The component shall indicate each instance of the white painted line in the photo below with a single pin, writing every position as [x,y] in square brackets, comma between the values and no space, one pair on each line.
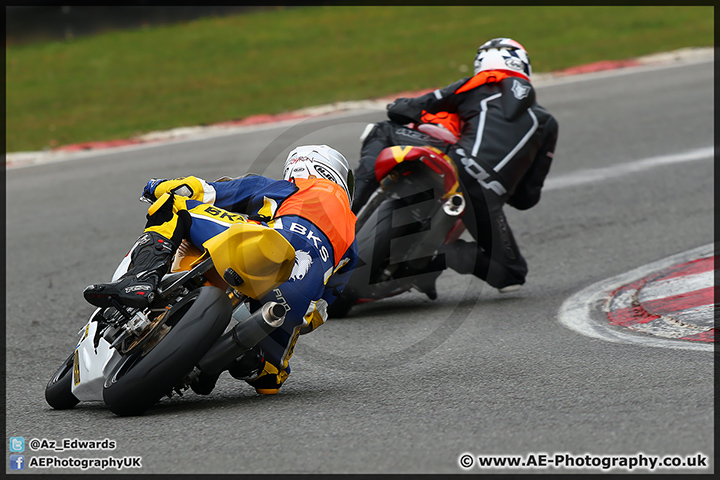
[620,301]
[676,286]
[696,316]
[582,177]
[577,312]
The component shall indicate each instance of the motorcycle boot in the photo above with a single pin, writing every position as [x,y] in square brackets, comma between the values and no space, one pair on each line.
[427,286]
[204,384]
[425,279]
[268,384]
[248,366]
[136,288]
[260,374]
[467,258]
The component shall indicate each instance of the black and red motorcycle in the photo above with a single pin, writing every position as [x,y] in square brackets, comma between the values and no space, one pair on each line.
[416,208]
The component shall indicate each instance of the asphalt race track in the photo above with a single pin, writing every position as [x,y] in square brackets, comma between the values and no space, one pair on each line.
[406,385]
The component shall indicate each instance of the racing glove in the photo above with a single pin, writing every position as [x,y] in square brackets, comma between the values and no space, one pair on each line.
[182,186]
[149,190]
[404,110]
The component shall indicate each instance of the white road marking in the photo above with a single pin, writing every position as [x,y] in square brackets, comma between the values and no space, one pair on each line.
[577,312]
[676,286]
[582,177]
[696,316]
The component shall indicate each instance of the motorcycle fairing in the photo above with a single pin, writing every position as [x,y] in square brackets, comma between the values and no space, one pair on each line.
[252,258]
[434,158]
[89,364]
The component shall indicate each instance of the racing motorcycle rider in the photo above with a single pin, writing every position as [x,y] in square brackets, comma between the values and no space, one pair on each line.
[310,207]
[505,146]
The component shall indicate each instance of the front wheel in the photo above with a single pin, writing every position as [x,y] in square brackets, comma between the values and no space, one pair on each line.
[58,392]
[140,379]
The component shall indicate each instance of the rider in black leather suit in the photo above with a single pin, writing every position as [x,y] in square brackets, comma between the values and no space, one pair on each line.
[503,154]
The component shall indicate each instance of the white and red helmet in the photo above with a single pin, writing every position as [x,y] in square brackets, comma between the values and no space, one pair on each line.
[320,161]
[503,54]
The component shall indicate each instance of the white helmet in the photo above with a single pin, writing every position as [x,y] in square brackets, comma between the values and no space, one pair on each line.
[322,162]
[503,54]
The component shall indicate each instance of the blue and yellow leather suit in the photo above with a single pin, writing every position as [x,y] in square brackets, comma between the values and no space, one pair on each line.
[312,214]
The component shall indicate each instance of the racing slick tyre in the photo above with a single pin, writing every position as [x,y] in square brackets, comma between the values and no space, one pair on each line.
[58,392]
[140,379]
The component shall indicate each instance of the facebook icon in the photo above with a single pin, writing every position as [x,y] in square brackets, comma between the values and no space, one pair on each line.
[17,462]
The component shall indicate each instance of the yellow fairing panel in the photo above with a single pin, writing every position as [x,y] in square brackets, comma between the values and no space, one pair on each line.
[258,256]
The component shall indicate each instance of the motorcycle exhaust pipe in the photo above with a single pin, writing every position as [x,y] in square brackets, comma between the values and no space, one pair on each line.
[242,338]
[454,206]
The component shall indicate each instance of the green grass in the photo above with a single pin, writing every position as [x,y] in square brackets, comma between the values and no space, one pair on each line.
[120,84]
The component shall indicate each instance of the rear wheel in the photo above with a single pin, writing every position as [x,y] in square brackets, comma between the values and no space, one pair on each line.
[142,378]
[58,392]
